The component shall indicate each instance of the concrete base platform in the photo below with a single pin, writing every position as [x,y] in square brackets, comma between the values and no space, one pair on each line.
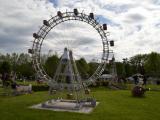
[65,105]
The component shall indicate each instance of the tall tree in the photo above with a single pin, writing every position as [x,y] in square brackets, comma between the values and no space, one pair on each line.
[83,67]
[138,62]
[5,70]
[92,67]
[51,65]
[5,67]
[152,64]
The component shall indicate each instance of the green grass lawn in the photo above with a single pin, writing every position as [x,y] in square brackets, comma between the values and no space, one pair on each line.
[114,105]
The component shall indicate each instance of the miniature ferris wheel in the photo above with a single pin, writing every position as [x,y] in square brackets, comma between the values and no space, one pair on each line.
[67,75]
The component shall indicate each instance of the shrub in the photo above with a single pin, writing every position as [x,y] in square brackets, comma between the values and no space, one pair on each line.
[138,91]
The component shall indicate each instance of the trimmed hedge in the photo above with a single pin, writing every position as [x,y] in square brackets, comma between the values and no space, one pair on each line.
[100,83]
[36,88]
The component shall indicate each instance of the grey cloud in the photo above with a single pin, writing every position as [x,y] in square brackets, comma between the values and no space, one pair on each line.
[137,17]
[79,41]
[138,27]
[156,2]
[134,18]
[85,41]
[157,25]
[122,8]
[140,43]
[22,17]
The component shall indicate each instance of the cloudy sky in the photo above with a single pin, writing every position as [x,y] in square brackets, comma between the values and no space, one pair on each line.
[134,25]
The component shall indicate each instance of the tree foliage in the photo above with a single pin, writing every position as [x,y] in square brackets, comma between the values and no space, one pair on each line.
[22,65]
[83,67]
[5,67]
[51,65]
[152,64]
